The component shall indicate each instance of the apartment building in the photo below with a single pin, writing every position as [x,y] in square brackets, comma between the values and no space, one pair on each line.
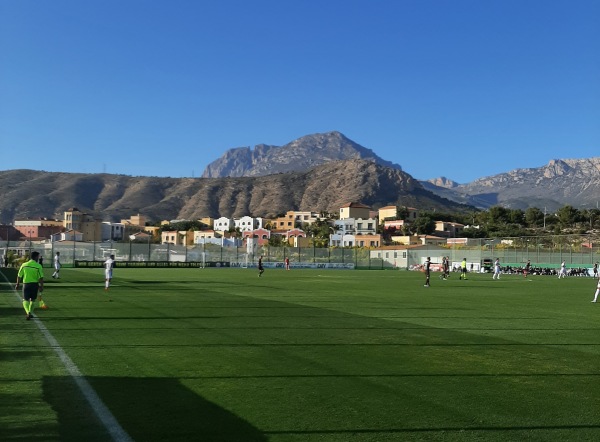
[90,228]
[248,223]
[354,210]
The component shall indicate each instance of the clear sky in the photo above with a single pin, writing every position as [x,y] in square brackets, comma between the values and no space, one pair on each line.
[455,88]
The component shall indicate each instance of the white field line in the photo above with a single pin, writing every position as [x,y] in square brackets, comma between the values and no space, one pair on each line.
[102,412]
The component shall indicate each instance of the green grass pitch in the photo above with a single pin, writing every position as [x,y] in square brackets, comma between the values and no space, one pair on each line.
[304,355]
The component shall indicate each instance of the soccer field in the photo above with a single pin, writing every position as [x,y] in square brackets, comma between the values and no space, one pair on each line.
[301,355]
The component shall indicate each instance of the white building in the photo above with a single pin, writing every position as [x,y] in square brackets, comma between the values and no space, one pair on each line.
[346,230]
[305,218]
[356,226]
[69,235]
[247,223]
[223,224]
[112,231]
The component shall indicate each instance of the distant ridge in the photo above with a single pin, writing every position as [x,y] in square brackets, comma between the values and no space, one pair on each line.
[574,182]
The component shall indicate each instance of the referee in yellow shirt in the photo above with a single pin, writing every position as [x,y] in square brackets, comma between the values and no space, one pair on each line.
[31,275]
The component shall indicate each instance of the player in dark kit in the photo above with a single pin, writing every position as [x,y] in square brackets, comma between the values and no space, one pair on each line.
[527,270]
[445,267]
[261,269]
[427,271]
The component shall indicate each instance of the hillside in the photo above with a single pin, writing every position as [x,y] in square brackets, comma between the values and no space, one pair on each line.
[30,194]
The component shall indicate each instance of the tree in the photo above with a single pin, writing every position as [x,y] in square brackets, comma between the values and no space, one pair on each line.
[402,213]
[534,217]
[235,232]
[516,216]
[498,215]
[567,216]
[182,226]
[588,217]
[276,241]
[319,230]
[471,232]
[423,225]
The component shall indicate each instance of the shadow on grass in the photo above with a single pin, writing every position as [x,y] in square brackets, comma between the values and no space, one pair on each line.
[11,311]
[19,422]
[148,409]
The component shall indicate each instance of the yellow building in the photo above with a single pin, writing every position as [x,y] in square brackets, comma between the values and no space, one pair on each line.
[178,237]
[419,240]
[448,229]
[355,210]
[388,212]
[207,221]
[152,230]
[201,236]
[135,220]
[286,222]
[90,228]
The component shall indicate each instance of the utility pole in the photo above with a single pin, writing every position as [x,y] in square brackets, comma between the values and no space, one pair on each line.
[544,217]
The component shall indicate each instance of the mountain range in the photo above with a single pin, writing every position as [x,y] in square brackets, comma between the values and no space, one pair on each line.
[318,172]
[575,182]
[560,182]
[32,194]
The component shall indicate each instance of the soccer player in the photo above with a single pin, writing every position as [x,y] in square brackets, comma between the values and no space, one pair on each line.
[527,269]
[427,271]
[595,270]
[597,292]
[287,263]
[563,270]
[496,269]
[463,269]
[445,268]
[109,265]
[56,265]
[31,275]
[261,269]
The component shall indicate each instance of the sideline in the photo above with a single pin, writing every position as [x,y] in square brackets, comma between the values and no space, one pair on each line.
[100,410]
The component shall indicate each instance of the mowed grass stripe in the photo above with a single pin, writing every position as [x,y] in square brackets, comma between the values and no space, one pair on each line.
[336,355]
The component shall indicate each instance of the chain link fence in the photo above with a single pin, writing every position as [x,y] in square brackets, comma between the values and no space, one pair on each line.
[542,251]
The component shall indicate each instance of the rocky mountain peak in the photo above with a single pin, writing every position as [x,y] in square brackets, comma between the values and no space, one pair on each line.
[556,167]
[299,155]
[444,182]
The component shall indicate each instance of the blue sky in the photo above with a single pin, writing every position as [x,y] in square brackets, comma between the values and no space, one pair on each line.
[461,88]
